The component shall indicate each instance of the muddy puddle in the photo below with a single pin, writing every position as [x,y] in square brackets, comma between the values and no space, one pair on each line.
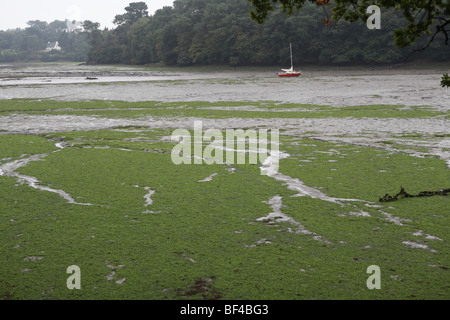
[276,203]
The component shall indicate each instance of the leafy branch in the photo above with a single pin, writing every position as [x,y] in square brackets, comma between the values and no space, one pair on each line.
[445,81]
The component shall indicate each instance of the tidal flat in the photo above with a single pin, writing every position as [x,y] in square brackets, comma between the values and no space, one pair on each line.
[87,179]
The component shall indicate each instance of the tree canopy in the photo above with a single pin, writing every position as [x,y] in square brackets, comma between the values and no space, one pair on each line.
[205,32]
[134,12]
[422,16]
[220,32]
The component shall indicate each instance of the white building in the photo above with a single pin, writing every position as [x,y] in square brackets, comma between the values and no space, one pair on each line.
[53,46]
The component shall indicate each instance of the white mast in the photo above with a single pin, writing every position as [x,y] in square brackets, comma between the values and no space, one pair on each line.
[292,61]
[291,70]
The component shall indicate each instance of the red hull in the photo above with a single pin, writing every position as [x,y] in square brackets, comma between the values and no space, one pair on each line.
[289,74]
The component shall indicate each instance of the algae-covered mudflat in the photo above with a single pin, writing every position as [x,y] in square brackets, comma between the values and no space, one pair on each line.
[87,179]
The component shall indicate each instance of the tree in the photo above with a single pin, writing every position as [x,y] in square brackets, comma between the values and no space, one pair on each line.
[219,32]
[120,41]
[92,29]
[37,26]
[30,43]
[134,12]
[94,35]
[139,48]
[421,15]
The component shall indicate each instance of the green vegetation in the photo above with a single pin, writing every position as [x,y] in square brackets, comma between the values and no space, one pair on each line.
[203,240]
[30,43]
[217,110]
[445,82]
[15,146]
[422,17]
[113,203]
[218,32]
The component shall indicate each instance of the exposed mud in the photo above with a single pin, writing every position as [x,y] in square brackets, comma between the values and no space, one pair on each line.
[111,275]
[14,73]
[335,86]
[417,246]
[439,147]
[303,190]
[277,215]
[207,179]
[148,197]
[36,124]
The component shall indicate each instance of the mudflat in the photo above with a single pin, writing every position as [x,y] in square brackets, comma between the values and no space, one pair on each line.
[87,180]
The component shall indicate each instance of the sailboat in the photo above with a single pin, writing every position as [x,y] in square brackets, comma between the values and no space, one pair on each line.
[290,72]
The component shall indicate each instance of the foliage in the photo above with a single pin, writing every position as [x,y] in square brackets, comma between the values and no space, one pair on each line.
[445,81]
[421,16]
[220,32]
[199,32]
[134,12]
[30,43]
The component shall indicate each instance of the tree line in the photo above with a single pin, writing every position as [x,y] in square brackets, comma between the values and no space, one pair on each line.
[31,43]
[219,32]
[205,32]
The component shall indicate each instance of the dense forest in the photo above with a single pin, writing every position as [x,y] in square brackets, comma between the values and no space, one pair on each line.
[219,32]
